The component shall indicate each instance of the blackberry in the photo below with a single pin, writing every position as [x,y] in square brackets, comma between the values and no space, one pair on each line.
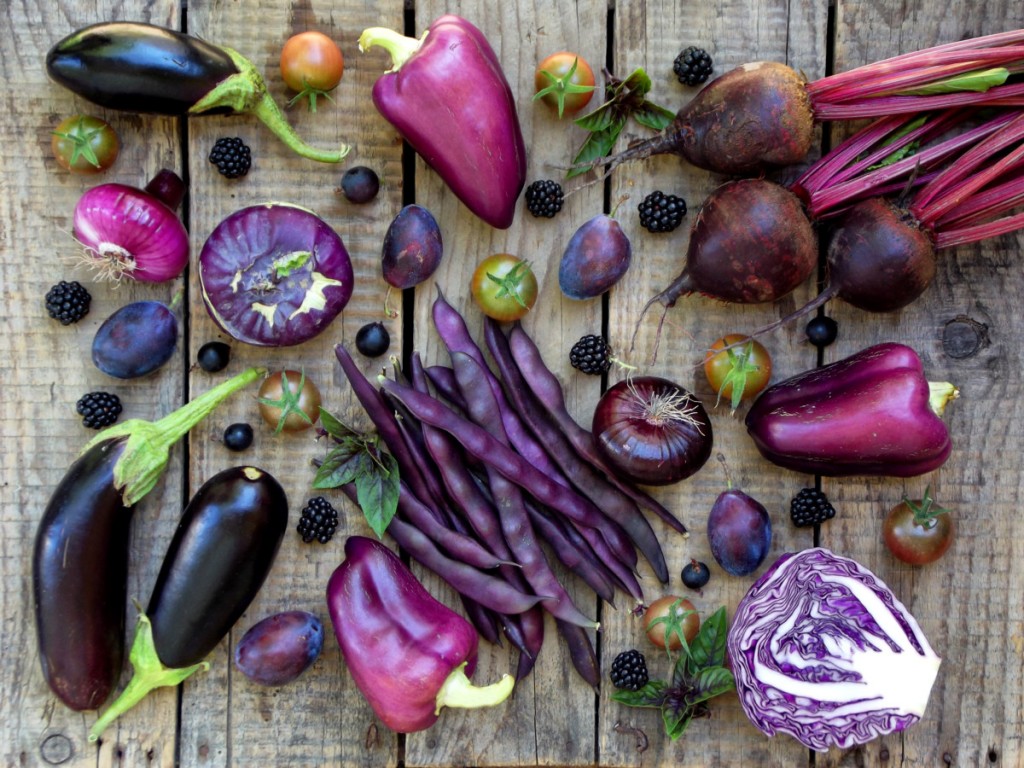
[68,302]
[629,671]
[660,212]
[98,409]
[231,156]
[319,520]
[544,198]
[591,355]
[810,507]
[692,66]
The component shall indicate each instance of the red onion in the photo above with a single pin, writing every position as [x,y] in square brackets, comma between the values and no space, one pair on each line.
[131,233]
[274,275]
[652,431]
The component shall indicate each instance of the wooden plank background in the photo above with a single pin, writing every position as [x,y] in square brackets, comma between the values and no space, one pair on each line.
[968,603]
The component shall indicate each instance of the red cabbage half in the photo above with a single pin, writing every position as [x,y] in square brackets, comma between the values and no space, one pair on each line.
[822,650]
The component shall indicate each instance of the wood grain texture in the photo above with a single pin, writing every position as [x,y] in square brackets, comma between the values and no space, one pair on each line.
[968,603]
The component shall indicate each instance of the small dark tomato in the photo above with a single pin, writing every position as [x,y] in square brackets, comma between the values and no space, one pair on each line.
[85,145]
[822,331]
[565,82]
[919,531]
[695,574]
[292,407]
[504,287]
[737,368]
[311,65]
[667,617]
[360,184]
[214,356]
[238,436]
[373,340]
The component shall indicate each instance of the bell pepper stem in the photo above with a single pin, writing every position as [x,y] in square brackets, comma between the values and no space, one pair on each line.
[940,393]
[398,45]
[458,691]
[148,447]
[148,673]
[246,93]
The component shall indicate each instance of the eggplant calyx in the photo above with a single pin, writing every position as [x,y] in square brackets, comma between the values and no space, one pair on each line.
[458,691]
[246,93]
[149,673]
[939,395]
[148,445]
[398,45]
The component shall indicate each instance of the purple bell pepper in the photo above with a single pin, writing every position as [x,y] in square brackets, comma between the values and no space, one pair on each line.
[873,413]
[409,654]
[447,95]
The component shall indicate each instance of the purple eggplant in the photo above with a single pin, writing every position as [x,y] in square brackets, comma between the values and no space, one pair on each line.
[447,95]
[409,654]
[80,557]
[220,555]
[873,413]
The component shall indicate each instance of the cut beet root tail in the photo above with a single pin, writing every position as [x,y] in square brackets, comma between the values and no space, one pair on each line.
[762,115]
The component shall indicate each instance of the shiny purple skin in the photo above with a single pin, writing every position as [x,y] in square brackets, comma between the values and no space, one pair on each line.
[452,102]
[398,642]
[412,247]
[596,258]
[136,340]
[868,414]
[739,532]
[250,291]
[279,648]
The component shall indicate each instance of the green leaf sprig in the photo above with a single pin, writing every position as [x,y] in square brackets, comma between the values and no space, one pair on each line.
[624,99]
[699,673]
[356,458]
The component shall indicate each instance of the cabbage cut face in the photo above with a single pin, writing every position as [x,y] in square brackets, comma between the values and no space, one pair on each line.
[822,650]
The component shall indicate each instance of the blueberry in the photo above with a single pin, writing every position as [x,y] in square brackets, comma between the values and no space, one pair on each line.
[360,184]
[373,340]
[214,356]
[238,437]
[822,331]
[695,574]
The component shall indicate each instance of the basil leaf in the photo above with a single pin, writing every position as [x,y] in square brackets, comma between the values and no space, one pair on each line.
[708,683]
[653,116]
[651,695]
[377,490]
[676,721]
[335,427]
[596,146]
[599,119]
[341,466]
[639,82]
[708,647]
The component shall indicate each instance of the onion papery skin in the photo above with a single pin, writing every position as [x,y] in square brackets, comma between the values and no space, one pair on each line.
[821,649]
[651,452]
[130,233]
[245,292]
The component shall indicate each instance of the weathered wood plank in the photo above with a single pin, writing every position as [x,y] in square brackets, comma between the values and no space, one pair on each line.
[970,615]
[650,35]
[227,720]
[550,719]
[47,368]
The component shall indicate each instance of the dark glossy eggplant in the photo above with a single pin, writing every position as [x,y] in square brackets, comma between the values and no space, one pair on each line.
[220,555]
[84,531]
[80,557]
[138,67]
[222,551]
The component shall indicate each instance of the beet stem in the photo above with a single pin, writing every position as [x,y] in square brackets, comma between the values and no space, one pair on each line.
[984,205]
[1000,95]
[954,237]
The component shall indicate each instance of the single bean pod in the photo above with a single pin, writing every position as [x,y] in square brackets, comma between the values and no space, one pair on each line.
[220,555]
[137,67]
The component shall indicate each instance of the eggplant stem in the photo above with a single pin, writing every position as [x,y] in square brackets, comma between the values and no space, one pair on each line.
[149,673]
[458,691]
[246,93]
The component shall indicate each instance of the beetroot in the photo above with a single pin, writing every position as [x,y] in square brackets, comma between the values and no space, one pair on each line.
[762,114]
